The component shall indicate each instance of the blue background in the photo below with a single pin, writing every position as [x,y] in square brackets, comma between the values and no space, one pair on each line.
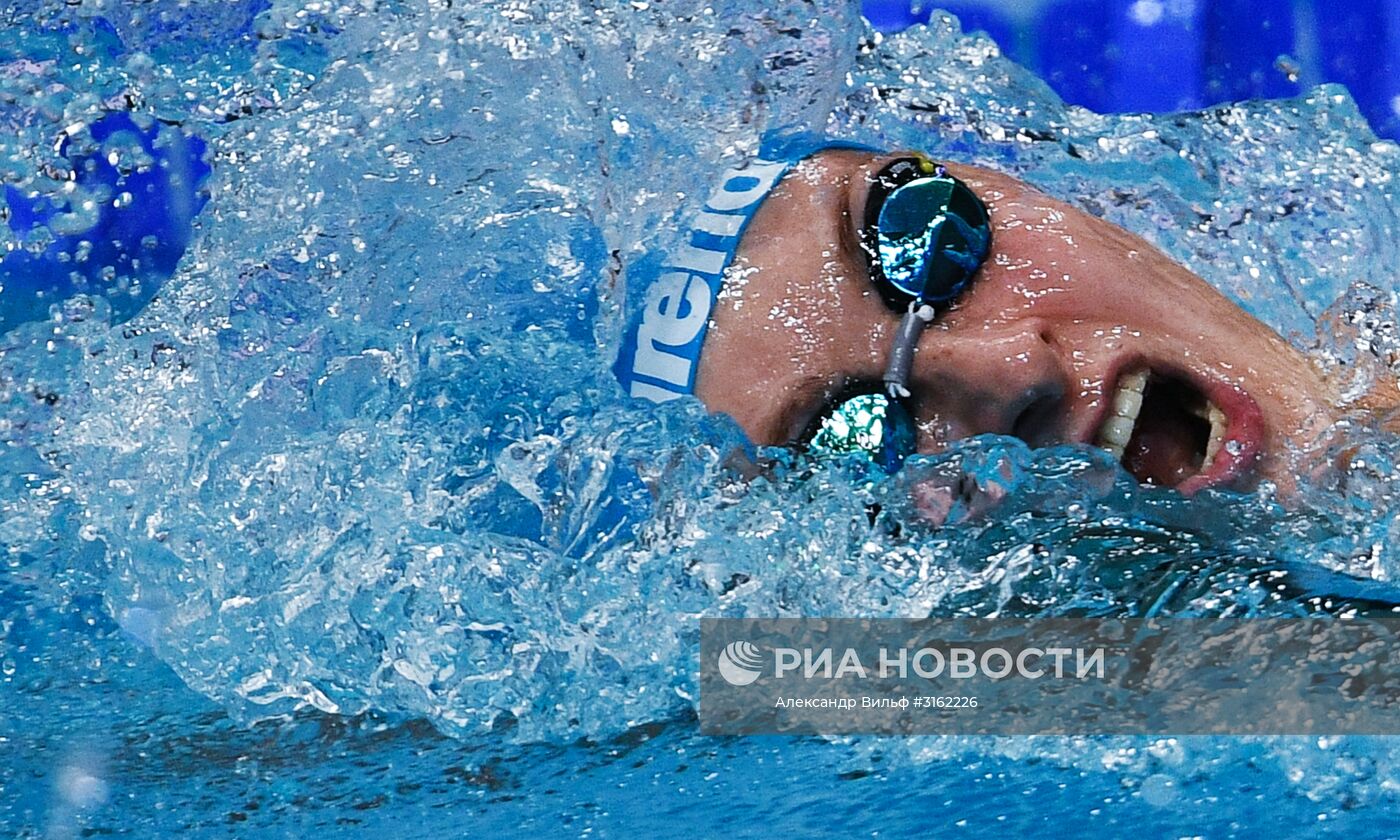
[1167,55]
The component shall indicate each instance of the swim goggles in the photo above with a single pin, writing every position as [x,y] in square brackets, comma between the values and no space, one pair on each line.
[926,235]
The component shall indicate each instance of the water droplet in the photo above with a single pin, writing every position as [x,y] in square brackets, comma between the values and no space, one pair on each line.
[1159,790]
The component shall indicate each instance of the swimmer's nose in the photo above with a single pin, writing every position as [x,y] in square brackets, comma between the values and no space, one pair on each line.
[1006,381]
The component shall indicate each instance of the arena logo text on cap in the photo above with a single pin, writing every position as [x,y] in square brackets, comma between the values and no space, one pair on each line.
[660,356]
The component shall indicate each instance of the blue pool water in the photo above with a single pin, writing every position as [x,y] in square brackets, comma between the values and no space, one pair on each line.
[347,527]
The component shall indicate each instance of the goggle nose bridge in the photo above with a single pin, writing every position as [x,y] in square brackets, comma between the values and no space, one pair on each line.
[951,249]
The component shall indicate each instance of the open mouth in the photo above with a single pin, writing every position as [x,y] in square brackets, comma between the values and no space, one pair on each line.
[1167,431]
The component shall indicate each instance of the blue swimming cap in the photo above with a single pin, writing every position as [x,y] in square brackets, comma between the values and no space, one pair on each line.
[661,350]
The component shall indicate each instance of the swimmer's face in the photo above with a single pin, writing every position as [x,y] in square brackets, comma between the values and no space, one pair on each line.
[1048,344]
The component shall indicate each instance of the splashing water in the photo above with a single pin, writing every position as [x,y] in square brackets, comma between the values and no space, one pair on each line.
[363,451]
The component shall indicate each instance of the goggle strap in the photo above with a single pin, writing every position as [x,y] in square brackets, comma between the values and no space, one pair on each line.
[906,339]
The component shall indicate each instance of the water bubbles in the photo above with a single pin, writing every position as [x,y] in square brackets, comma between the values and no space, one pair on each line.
[1159,790]
[81,214]
[80,785]
[1147,12]
[126,152]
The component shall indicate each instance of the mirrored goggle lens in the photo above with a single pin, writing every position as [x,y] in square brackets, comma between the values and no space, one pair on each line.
[872,424]
[931,236]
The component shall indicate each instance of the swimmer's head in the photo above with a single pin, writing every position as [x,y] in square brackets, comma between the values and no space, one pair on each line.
[1071,330]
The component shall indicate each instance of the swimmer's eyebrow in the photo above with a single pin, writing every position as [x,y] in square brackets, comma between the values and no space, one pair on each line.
[858,181]
[847,223]
[852,220]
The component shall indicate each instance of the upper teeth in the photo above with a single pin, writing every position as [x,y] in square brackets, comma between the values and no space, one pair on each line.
[1117,430]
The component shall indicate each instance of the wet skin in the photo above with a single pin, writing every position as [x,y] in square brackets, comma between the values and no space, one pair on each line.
[1064,306]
